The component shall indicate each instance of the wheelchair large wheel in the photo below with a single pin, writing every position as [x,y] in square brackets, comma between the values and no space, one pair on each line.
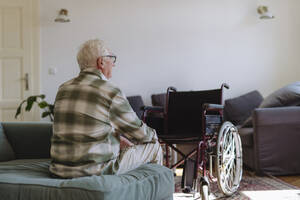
[229,159]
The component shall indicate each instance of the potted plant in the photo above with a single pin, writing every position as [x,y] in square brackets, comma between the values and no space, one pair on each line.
[39,100]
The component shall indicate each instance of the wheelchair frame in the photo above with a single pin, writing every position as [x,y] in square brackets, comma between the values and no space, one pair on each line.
[220,140]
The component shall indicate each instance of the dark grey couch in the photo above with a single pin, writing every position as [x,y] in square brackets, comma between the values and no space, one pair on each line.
[270,136]
[272,145]
[24,175]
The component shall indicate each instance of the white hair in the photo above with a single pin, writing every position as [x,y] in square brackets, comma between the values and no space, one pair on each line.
[89,52]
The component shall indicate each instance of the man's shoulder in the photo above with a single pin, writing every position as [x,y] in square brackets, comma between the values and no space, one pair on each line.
[99,85]
[66,83]
[106,86]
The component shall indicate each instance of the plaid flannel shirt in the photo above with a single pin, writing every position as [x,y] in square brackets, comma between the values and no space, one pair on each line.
[89,116]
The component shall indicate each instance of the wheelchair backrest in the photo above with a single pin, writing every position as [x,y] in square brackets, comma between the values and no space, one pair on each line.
[184,111]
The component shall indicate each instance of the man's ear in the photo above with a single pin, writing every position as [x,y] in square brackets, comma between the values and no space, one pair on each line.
[100,63]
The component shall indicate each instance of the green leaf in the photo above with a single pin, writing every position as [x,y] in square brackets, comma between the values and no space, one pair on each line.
[30,101]
[19,109]
[18,112]
[43,104]
[45,114]
[48,108]
[51,108]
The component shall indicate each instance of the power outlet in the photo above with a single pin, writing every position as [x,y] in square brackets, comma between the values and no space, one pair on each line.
[52,70]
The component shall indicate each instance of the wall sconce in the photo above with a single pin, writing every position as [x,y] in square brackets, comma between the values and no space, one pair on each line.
[62,16]
[264,12]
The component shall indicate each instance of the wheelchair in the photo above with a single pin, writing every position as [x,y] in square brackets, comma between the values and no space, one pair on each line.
[196,117]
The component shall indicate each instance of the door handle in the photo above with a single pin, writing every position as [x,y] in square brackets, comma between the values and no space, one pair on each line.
[26,81]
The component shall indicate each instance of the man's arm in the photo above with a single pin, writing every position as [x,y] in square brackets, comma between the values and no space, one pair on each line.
[126,122]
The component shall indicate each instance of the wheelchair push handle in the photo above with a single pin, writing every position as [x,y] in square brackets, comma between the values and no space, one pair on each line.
[225,85]
[171,88]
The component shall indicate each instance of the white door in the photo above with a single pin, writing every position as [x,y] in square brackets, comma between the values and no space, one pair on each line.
[17,57]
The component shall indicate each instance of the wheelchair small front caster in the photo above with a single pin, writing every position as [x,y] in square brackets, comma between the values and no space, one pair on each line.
[204,188]
[204,192]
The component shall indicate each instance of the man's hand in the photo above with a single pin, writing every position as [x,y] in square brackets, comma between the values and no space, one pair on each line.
[124,143]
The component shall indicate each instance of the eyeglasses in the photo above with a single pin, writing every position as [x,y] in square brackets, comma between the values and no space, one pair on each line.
[113,57]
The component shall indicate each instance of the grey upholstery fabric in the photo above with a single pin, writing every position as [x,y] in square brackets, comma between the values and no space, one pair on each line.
[286,96]
[246,136]
[6,151]
[136,103]
[30,179]
[237,110]
[29,139]
[277,140]
[272,145]
[158,99]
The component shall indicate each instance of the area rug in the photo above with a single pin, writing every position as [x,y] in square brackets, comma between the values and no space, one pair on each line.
[251,187]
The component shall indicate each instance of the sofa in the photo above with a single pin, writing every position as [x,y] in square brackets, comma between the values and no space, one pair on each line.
[24,174]
[269,129]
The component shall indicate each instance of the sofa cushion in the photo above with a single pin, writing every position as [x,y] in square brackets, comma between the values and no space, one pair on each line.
[29,139]
[237,110]
[158,99]
[30,179]
[286,96]
[136,102]
[6,151]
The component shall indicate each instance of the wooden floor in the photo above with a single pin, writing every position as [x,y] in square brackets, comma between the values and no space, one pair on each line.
[293,180]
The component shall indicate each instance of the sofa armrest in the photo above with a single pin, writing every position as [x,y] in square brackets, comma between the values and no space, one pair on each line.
[276,116]
[277,140]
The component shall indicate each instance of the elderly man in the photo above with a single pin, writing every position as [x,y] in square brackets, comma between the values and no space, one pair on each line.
[90,116]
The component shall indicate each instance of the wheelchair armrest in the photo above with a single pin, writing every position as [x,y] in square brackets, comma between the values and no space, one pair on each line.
[153,108]
[153,117]
[212,107]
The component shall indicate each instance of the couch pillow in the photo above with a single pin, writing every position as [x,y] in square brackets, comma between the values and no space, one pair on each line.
[286,96]
[158,99]
[136,102]
[237,110]
[6,151]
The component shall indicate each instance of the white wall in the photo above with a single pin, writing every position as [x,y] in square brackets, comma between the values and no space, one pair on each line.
[195,44]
